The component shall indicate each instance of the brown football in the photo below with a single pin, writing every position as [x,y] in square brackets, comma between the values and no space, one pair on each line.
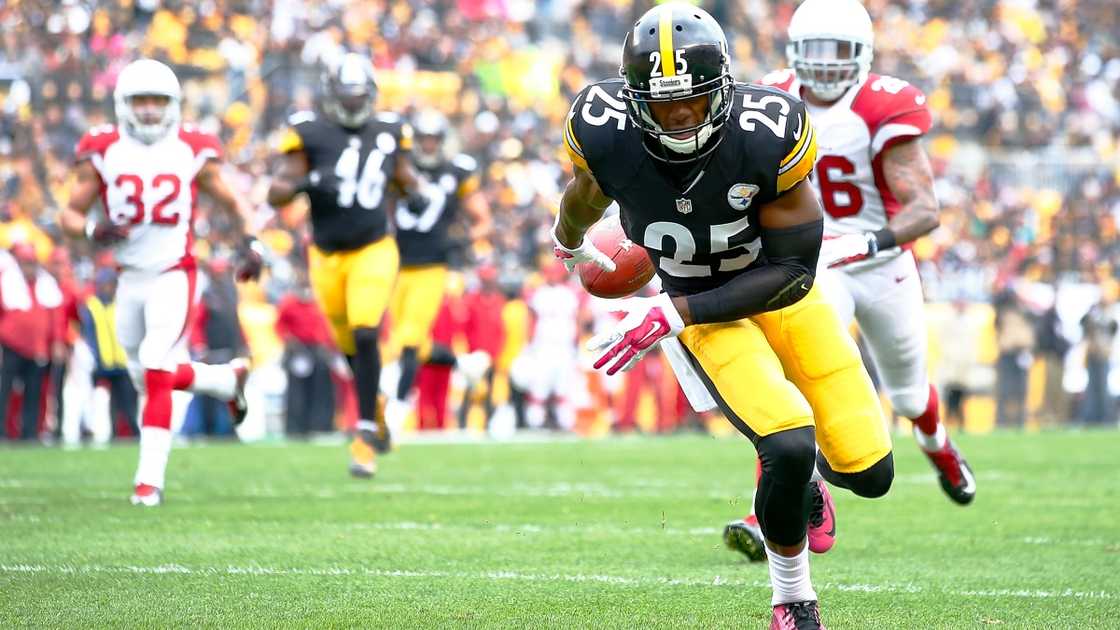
[633,267]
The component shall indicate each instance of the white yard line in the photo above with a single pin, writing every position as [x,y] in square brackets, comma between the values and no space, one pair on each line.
[499,576]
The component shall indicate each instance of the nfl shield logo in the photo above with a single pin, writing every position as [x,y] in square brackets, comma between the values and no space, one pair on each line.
[684,206]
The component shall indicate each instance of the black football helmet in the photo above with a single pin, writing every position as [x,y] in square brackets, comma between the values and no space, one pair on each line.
[677,51]
[349,91]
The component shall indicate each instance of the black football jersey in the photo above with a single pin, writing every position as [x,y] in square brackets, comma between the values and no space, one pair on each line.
[423,237]
[349,173]
[704,231]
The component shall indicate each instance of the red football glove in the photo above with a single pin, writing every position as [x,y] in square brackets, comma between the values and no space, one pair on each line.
[648,321]
[104,233]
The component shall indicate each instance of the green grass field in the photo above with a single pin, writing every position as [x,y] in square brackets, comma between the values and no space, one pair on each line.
[616,533]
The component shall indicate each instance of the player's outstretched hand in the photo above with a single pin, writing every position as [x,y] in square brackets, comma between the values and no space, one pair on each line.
[837,251]
[585,253]
[648,320]
[105,233]
[250,259]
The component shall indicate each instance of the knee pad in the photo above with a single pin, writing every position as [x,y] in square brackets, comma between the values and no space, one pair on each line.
[789,455]
[870,483]
[782,497]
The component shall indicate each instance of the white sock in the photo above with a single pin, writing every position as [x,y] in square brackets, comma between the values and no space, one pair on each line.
[367,425]
[934,442]
[218,381]
[155,447]
[789,577]
[396,412]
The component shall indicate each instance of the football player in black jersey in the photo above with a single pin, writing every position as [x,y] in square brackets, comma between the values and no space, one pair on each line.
[353,164]
[425,241]
[710,176]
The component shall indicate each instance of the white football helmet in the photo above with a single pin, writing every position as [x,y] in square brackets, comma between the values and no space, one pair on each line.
[428,123]
[830,46]
[147,77]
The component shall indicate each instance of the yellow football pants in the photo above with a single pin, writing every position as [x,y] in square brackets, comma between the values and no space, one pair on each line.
[415,305]
[353,287]
[782,369]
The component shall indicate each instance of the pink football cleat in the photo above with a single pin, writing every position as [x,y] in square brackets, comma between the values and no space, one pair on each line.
[797,616]
[822,518]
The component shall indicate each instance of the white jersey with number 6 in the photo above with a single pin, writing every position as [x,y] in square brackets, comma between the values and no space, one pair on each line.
[151,189]
[852,136]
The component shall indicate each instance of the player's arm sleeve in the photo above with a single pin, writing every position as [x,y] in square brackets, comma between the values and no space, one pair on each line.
[800,150]
[787,276]
[909,118]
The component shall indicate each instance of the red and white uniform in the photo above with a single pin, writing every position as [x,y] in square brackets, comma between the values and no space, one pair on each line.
[549,365]
[884,293]
[151,188]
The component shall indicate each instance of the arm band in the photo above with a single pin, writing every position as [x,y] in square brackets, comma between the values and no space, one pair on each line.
[885,239]
[785,278]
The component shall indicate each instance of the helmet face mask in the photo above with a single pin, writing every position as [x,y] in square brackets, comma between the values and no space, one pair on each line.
[429,131]
[349,91]
[828,67]
[677,53]
[830,46]
[146,100]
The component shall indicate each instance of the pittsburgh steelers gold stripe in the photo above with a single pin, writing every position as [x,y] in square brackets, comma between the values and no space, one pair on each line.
[571,135]
[665,33]
[800,169]
[574,154]
[806,128]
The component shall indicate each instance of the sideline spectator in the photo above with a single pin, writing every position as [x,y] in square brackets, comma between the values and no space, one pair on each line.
[30,330]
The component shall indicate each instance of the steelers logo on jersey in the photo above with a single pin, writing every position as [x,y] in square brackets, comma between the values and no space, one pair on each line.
[739,196]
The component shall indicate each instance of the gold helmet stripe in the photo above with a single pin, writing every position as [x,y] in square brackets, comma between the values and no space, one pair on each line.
[665,33]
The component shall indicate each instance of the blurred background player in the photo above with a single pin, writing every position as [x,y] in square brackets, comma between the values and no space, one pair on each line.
[548,368]
[423,236]
[146,170]
[876,185]
[352,164]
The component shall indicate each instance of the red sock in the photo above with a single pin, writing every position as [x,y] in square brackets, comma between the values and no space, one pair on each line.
[184,376]
[157,411]
[930,418]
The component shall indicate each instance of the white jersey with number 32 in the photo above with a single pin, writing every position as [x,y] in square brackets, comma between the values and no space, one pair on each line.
[151,189]
[852,136]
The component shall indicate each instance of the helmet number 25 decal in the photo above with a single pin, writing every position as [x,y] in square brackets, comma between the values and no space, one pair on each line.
[684,247]
[655,62]
[613,109]
[367,189]
[758,111]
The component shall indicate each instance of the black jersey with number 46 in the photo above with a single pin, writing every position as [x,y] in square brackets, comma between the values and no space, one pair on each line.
[423,234]
[701,238]
[349,170]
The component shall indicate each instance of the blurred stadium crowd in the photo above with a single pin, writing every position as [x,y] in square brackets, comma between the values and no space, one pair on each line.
[1026,149]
